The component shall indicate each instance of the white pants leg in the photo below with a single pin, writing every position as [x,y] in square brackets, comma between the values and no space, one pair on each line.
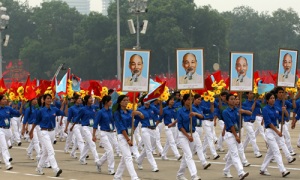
[48,151]
[233,154]
[250,137]
[220,140]
[197,147]
[287,137]
[157,140]
[134,149]
[34,143]
[86,132]
[148,136]
[69,138]
[281,143]
[109,151]
[170,142]
[4,135]
[273,151]
[199,130]
[80,142]
[15,125]
[209,139]
[126,160]
[260,129]
[187,159]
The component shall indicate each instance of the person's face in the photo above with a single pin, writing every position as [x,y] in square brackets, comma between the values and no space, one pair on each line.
[34,102]
[237,101]
[177,96]
[287,63]
[136,65]
[271,101]
[250,95]
[90,100]
[3,101]
[147,105]
[197,101]
[109,103]
[171,102]
[124,102]
[78,101]
[223,98]
[48,100]
[241,66]
[231,101]
[189,63]
[187,102]
[280,94]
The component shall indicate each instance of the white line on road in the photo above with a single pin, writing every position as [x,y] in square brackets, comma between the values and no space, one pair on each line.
[32,175]
[11,172]
[54,177]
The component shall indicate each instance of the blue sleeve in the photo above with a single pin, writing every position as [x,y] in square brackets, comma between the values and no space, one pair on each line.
[38,117]
[79,116]
[97,119]
[59,112]
[70,114]
[26,116]
[14,112]
[206,110]
[227,119]
[267,119]
[180,121]
[289,105]
[119,125]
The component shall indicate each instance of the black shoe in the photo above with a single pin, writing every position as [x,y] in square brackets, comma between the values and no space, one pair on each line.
[10,159]
[19,144]
[54,142]
[58,173]
[87,156]
[9,147]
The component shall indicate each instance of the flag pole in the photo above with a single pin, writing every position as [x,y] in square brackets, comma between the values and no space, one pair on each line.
[132,118]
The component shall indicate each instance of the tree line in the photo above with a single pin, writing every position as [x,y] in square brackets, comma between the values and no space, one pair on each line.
[46,36]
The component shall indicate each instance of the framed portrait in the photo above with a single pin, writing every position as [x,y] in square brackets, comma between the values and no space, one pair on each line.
[241,71]
[136,70]
[189,68]
[287,66]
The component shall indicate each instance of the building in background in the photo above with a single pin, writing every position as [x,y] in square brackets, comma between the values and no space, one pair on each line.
[105,5]
[82,6]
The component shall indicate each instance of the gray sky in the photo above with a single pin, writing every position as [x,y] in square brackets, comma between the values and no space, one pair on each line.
[220,5]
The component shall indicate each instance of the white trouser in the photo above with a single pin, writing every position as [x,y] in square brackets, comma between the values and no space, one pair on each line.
[233,157]
[134,148]
[34,143]
[208,127]
[47,149]
[157,144]
[187,159]
[286,135]
[115,143]
[80,142]
[137,135]
[89,143]
[148,136]
[220,140]
[273,151]
[107,143]
[5,134]
[170,142]
[126,160]
[260,129]
[282,145]
[69,137]
[199,130]
[15,125]
[197,147]
[250,137]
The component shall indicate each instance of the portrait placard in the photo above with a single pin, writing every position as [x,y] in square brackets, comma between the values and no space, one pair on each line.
[136,70]
[241,71]
[190,63]
[287,66]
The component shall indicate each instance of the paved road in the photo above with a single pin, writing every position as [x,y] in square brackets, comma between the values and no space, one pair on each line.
[24,169]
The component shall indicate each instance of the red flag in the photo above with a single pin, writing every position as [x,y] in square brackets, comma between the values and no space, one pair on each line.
[130,96]
[44,84]
[53,85]
[157,79]
[217,75]
[200,91]
[227,82]
[155,93]
[3,88]
[29,92]
[96,87]
[208,82]
[14,87]
[274,76]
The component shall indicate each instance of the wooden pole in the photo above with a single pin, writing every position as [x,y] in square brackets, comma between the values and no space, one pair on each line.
[282,113]
[132,118]
[191,110]
[240,119]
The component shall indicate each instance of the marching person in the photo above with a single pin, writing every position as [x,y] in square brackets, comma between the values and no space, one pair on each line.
[231,120]
[46,118]
[123,122]
[254,107]
[29,119]
[218,112]
[273,135]
[86,116]
[5,132]
[169,117]
[188,141]
[105,120]
[150,114]
[15,124]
